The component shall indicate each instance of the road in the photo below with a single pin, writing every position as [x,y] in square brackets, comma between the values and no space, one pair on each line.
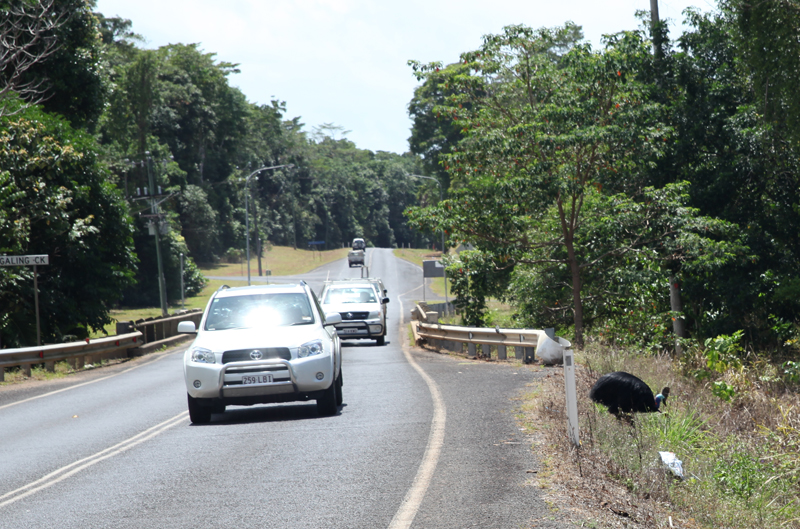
[422,440]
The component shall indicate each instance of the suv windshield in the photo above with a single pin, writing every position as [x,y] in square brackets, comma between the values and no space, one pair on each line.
[258,310]
[360,294]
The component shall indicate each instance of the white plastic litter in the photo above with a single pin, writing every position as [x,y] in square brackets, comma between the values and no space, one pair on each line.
[550,351]
[674,464]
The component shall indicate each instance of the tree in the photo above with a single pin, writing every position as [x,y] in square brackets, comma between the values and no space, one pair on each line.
[66,206]
[739,154]
[552,151]
[26,38]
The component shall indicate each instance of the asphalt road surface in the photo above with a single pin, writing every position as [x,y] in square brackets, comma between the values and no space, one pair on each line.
[422,440]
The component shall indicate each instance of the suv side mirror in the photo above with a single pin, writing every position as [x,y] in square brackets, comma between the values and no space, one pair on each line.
[332,318]
[187,327]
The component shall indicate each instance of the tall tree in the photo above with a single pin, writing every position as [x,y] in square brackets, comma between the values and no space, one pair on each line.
[67,207]
[552,150]
[27,37]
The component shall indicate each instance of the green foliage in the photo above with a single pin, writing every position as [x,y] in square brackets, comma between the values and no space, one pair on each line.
[791,371]
[740,475]
[682,429]
[723,352]
[60,202]
[723,390]
[199,223]
[473,278]
[71,76]
[547,180]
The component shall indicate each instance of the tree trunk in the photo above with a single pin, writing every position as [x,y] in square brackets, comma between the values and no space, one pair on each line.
[676,305]
[568,232]
[576,292]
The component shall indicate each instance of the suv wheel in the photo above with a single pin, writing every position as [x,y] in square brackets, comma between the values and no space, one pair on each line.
[326,405]
[197,413]
[380,340]
[339,384]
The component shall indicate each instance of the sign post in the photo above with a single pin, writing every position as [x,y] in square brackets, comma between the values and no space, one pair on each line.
[433,269]
[34,261]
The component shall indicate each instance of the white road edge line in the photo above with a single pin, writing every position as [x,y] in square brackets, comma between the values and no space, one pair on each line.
[43,395]
[405,514]
[54,477]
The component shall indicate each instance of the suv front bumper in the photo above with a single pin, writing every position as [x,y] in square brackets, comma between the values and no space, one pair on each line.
[224,381]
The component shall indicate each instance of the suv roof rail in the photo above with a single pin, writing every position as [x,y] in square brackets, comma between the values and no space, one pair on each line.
[221,288]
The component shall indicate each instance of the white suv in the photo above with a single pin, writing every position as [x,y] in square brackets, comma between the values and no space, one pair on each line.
[361,303]
[262,344]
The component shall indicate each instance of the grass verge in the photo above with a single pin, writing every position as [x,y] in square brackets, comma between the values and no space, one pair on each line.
[38,372]
[740,450]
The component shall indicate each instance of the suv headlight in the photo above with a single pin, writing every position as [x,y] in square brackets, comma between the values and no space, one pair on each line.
[203,356]
[310,349]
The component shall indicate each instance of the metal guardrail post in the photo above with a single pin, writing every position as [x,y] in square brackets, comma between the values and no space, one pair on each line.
[571,398]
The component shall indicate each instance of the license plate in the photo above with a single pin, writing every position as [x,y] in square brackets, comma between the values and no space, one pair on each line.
[351,330]
[257,379]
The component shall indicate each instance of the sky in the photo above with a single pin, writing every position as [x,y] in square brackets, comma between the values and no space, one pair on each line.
[344,62]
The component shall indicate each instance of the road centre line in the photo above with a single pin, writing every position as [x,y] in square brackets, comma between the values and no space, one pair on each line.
[405,514]
[84,383]
[73,468]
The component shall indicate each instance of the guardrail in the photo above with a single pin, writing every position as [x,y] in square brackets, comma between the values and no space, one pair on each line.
[75,352]
[454,338]
[160,329]
[132,339]
[525,342]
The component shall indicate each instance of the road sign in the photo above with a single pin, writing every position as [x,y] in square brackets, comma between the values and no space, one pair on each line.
[432,269]
[24,260]
[34,261]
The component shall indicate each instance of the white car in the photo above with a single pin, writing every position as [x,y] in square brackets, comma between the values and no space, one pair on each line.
[262,344]
[361,303]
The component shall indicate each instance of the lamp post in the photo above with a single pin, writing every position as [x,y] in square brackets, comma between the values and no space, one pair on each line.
[247,208]
[441,199]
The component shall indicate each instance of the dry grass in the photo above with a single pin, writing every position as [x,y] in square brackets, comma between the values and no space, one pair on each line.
[279,260]
[38,372]
[740,457]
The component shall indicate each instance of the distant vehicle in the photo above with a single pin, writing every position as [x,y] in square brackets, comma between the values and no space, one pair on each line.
[262,344]
[355,258]
[362,305]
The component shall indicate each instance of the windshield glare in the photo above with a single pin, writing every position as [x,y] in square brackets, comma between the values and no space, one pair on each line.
[259,310]
[350,295]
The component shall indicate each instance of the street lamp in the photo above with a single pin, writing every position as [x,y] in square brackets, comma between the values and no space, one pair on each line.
[441,199]
[247,209]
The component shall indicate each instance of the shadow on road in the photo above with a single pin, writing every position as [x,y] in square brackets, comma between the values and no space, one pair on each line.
[269,413]
[369,343]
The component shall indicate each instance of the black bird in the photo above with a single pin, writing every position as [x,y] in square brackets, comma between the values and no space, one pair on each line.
[623,392]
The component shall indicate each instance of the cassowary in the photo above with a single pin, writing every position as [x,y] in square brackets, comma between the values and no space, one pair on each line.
[623,392]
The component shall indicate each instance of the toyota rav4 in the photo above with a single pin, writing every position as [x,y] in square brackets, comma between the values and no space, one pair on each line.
[262,344]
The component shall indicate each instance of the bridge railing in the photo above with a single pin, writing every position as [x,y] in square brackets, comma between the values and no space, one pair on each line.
[132,339]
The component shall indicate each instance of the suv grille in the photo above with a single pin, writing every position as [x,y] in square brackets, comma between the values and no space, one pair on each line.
[354,315]
[243,355]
